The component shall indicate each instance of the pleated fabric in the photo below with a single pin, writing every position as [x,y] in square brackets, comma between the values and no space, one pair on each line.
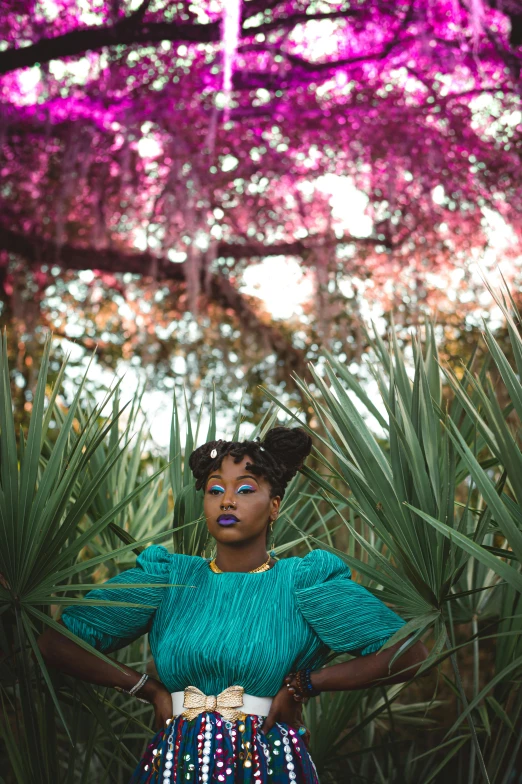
[210,750]
[217,630]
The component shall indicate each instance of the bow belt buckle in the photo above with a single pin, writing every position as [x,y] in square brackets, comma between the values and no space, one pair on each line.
[228,703]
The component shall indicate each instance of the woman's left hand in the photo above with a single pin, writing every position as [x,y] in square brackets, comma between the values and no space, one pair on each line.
[286,710]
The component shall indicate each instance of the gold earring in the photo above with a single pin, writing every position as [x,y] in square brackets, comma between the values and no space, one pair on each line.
[272,543]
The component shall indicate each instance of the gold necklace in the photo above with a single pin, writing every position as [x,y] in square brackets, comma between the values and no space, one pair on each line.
[263,568]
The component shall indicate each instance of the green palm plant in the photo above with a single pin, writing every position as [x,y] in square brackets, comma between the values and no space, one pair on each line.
[344,728]
[379,481]
[188,503]
[395,485]
[47,483]
[427,516]
[498,705]
[150,512]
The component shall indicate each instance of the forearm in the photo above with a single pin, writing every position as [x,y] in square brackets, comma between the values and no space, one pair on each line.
[365,671]
[65,655]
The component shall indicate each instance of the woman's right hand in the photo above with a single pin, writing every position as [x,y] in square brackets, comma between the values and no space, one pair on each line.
[162,708]
[161,699]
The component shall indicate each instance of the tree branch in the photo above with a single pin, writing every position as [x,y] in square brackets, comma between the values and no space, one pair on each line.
[133,30]
[38,251]
[126,32]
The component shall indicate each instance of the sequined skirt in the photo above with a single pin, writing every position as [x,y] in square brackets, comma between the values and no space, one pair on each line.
[210,750]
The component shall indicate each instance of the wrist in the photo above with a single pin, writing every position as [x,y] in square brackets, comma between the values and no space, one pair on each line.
[317,680]
[150,690]
[304,683]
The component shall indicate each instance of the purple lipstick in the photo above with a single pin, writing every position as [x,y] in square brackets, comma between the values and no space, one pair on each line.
[227,519]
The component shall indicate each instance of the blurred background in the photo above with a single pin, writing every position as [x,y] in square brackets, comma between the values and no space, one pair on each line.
[233,213]
[213,191]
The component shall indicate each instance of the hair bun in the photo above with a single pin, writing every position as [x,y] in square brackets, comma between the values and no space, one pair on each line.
[201,459]
[289,446]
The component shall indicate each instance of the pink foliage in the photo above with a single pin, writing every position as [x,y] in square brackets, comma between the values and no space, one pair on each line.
[111,137]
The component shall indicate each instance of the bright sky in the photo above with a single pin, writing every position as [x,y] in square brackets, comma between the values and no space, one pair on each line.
[281,283]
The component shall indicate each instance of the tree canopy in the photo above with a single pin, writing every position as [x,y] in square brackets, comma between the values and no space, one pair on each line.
[121,154]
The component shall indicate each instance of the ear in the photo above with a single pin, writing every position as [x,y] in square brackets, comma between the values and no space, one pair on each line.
[274,505]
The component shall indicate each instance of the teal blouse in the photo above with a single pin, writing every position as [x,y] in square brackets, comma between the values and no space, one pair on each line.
[215,630]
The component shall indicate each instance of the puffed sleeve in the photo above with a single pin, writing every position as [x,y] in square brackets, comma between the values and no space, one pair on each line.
[345,615]
[112,627]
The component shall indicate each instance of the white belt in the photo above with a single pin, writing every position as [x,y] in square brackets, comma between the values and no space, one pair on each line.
[192,702]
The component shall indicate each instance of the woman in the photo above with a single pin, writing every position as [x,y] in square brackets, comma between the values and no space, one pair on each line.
[238,642]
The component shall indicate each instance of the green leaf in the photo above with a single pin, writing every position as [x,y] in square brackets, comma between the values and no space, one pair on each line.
[514,666]
[487,488]
[508,573]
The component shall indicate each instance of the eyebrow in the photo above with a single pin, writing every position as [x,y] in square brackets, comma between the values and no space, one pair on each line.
[243,476]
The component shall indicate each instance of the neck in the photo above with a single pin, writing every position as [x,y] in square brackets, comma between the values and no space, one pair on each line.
[237,559]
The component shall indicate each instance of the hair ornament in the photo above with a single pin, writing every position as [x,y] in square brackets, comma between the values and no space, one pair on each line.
[258,439]
[213,453]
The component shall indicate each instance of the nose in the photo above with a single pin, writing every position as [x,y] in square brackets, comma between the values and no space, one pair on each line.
[228,499]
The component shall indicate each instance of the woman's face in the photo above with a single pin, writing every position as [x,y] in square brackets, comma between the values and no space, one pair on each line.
[233,490]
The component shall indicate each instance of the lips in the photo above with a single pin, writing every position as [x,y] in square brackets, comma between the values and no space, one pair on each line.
[227,519]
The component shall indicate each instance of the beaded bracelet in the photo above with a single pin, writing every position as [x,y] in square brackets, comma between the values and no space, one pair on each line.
[304,683]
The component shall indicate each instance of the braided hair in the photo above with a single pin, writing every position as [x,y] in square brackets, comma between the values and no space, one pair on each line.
[277,458]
